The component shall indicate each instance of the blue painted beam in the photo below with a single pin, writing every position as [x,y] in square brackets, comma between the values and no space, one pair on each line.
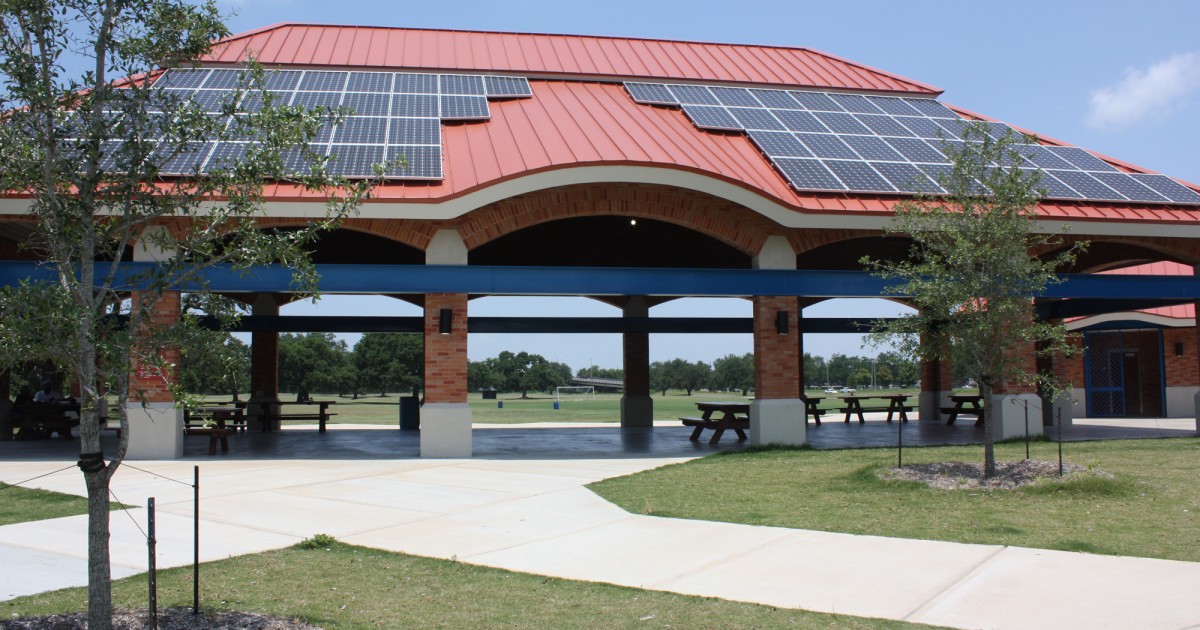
[416,279]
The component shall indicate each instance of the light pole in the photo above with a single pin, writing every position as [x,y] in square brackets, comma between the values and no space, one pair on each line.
[872,373]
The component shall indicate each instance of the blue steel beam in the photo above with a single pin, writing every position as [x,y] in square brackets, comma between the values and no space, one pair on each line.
[416,279]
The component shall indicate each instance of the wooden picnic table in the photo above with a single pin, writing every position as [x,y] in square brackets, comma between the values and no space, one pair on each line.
[895,405]
[215,422]
[732,415]
[42,419]
[964,405]
[812,407]
[275,413]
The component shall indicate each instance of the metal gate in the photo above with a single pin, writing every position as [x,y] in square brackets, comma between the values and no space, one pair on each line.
[1104,364]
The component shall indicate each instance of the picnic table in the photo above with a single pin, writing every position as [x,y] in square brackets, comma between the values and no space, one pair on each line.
[42,419]
[894,405]
[215,422]
[812,407]
[274,412]
[964,406]
[731,415]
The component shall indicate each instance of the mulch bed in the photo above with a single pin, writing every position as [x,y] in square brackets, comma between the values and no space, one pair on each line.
[168,619]
[969,475]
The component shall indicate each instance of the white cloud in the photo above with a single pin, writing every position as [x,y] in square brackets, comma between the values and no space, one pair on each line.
[1145,93]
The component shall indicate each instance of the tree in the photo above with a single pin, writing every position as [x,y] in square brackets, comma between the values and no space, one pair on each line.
[482,375]
[389,361]
[523,372]
[883,376]
[680,374]
[861,378]
[971,273]
[733,373]
[88,152]
[596,371]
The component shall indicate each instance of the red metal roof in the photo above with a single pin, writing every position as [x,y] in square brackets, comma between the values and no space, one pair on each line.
[557,55]
[1163,268]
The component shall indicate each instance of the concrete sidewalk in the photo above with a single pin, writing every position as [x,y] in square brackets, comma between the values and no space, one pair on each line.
[535,516]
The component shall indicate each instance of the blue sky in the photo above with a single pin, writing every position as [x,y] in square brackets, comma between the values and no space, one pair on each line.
[1118,78]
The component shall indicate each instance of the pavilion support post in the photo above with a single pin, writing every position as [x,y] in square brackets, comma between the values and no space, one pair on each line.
[1014,402]
[446,416]
[637,407]
[1196,360]
[937,385]
[155,421]
[1074,400]
[777,412]
[264,368]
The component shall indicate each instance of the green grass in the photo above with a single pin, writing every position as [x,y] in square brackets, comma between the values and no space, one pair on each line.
[341,586]
[539,407]
[1151,508]
[22,505]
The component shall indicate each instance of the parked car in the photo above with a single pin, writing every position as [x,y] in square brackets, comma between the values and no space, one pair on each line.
[831,390]
[848,390]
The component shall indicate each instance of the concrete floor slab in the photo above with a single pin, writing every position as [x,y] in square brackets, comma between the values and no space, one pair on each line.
[405,495]
[286,513]
[32,571]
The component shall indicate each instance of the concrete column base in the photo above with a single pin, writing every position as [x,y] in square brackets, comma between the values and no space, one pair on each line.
[1063,409]
[637,412]
[1008,417]
[155,431]
[929,405]
[779,421]
[1180,402]
[1197,403]
[258,409]
[446,430]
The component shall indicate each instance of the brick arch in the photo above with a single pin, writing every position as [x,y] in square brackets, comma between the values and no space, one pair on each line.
[810,239]
[723,220]
[415,234]
[1182,250]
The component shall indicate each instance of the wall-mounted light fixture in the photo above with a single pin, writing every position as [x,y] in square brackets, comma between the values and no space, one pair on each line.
[781,322]
[1179,349]
[445,321]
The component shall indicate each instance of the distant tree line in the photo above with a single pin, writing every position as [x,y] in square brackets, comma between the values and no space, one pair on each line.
[394,362]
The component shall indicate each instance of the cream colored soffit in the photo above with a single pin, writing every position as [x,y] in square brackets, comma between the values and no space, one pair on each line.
[1132,316]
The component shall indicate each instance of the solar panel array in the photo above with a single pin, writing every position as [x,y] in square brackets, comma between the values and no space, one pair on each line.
[396,117]
[883,144]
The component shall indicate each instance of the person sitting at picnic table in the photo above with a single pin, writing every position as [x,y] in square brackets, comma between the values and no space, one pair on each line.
[47,394]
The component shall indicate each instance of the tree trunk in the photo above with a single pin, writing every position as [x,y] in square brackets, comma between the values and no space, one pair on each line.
[99,569]
[989,448]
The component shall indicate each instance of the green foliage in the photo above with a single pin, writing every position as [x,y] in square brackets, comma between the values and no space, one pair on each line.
[315,362]
[596,371]
[518,372]
[733,373]
[971,272]
[318,541]
[389,362]
[679,374]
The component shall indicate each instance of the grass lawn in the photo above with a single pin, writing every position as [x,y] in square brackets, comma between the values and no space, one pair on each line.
[22,505]
[342,586]
[376,409]
[1151,508]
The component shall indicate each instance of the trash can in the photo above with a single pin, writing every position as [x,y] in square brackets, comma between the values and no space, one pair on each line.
[410,413]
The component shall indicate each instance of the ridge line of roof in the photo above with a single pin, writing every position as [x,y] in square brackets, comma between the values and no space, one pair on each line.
[813,51]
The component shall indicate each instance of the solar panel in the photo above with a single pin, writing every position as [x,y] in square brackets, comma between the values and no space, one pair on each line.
[756,118]
[827,146]
[737,97]
[414,162]
[894,106]
[839,122]
[915,150]
[463,84]
[816,101]
[379,82]
[778,144]
[796,120]
[1082,159]
[410,83]
[883,125]
[1055,188]
[930,108]
[706,117]
[1168,187]
[872,148]
[907,177]
[507,87]
[693,95]
[778,99]
[809,174]
[455,107]
[1131,188]
[855,103]
[1088,186]
[651,93]
[859,176]
[922,127]
[391,116]
[415,131]
[361,130]
[323,81]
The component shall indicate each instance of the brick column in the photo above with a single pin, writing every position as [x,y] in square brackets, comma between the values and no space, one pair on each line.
[1196,358]
[1180,371]
[155,426]
[937,385]
[777,413]
[1018,407]
[637,407]
[264,367]
[446,416]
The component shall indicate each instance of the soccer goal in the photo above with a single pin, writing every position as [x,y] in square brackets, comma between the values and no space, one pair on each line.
[577,392]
